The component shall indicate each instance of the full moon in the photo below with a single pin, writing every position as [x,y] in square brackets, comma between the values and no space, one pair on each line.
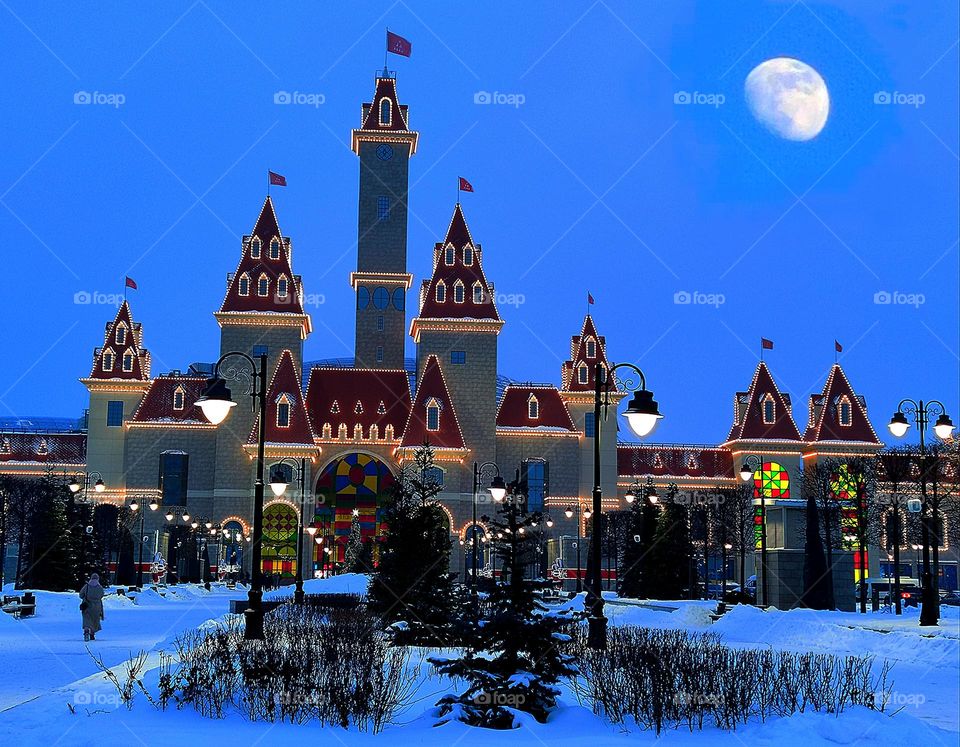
[788,97]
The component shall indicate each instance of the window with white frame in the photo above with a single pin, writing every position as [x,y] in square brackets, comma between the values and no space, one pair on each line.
[106,364]
[441,294]
[179,395]
[591,346]
[263,286]
[433,415]
[255,247]
[282,287]
[533,407]
[845,411]
[478,294]
[283,411]
[120,336]
[128,362]
[385,111]
[468,255]
[769,410]
[459,292]
[449,256]
[243,286]
[274,248]
[583,373]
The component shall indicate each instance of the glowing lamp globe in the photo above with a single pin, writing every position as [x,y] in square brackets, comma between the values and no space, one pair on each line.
[99,486]
[498,489]
[943,427]
[642,413]
[898,424]
[215,402]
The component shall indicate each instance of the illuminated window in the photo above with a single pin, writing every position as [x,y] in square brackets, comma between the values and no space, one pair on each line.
[128,362]
[121,334]
[449,256]
[433,415]
[282,287]
[283,412]
[845,411]
[274,249]
[107,362]
[583,373]
[385,111]
[533,408]
[244,285]
[255,247]
[441,292]
[478,295]
[591,348]
[771,481]
[468,255]
[769,410]
[178,397]
[459,292]
[263,286]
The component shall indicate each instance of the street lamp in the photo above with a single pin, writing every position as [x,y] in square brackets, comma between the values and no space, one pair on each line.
[642,415]
[278,484]
[135,507]
[216,404]
[752,463]
[569,513]
[83,480]
[498,490]
[943,428]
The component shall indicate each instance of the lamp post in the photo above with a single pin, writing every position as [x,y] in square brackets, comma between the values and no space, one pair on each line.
[135,507]
[569,512]
[216,404]
[642,414]
[498,489]
[752,463]
[278,484]
[943,428]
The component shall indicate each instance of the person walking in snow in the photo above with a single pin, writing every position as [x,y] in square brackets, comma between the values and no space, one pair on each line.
[91,607]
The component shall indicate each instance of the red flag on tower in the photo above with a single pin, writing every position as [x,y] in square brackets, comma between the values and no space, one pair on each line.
[766,344]
[837,346]
[465,186]
[129,283]
[277,180]
[590,298]
[398,45]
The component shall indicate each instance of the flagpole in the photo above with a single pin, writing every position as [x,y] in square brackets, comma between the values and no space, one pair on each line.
[761,348]
[386,50]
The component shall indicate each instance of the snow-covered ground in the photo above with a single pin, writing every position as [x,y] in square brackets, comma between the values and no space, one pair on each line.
[46,670]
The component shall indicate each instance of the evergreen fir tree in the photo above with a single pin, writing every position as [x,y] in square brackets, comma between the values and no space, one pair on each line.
[354,546]
[412,583]
[816,590]
[668,562]
[126,565]
[515,658]
[641,531]
[52,563]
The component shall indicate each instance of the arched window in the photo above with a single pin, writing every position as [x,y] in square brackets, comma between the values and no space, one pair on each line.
[450,256]
[255,247]
[283,411]
[433,415]
[468,255]
[274,248]
[263,286]
[282,287]
[845,411]
[120,336]
[106,363]
[478,294]
[385,111]
[591,346]
[583,373]
[243,286]
[769,409]
[441,292]
[533,407]
[178,398]
[459,292]
[127,362]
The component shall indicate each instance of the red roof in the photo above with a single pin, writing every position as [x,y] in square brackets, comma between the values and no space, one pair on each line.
[449,275]
[358,396]
[514,410]
[749,411]
[121,341]
[386,89]
[159,403]
[825,410]
[433,389]
[285,388]
[668,460]
[52,448]
[251,269]
[578,358]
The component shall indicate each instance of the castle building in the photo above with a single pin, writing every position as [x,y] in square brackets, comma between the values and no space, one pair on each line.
[351,426]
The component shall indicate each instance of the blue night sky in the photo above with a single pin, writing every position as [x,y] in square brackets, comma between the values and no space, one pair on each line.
[598,181]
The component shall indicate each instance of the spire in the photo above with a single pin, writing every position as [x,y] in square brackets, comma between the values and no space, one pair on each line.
[432,418]
[385,115]
[763,412]
[121,356]
[287,421]
[586,350]
[839,414]
[458,288]
[264,280]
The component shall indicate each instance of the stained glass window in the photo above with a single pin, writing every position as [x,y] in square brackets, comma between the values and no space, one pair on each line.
[771,481]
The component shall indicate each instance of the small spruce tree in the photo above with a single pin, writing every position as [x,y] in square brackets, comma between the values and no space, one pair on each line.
[668,563]
[641,531]
[52,564]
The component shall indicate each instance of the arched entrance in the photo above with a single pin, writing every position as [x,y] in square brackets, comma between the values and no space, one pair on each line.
[351,489]
[279,551]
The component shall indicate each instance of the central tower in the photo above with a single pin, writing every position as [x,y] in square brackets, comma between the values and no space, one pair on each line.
[384,144]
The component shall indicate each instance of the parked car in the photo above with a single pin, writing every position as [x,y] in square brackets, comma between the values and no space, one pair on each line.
[909,590]
[952,599]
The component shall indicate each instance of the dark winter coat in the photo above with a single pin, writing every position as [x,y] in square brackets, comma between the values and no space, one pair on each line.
[93,614]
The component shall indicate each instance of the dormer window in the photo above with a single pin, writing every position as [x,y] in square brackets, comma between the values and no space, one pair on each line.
[120,336]
[255,248]
[533,408]
[381,408]
[263,286]
[274,248]
[450,256]
[282,287]
[591,347]
[127,362]
[441,292]
[6,447]
[459,292]
[769,410]
[433,415]
[42,447]
[385,112]
[845,412]
[468,255]
[243,286]
[283,411]
[335,407]
[583,373]
[178,398]
[358,410]
[107,362]
[478,294]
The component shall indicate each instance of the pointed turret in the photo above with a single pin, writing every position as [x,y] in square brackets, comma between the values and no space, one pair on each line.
[763,412]
[838,414]
[586,350]
[287,423]
[433,417]
[385,115]
[121,357]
